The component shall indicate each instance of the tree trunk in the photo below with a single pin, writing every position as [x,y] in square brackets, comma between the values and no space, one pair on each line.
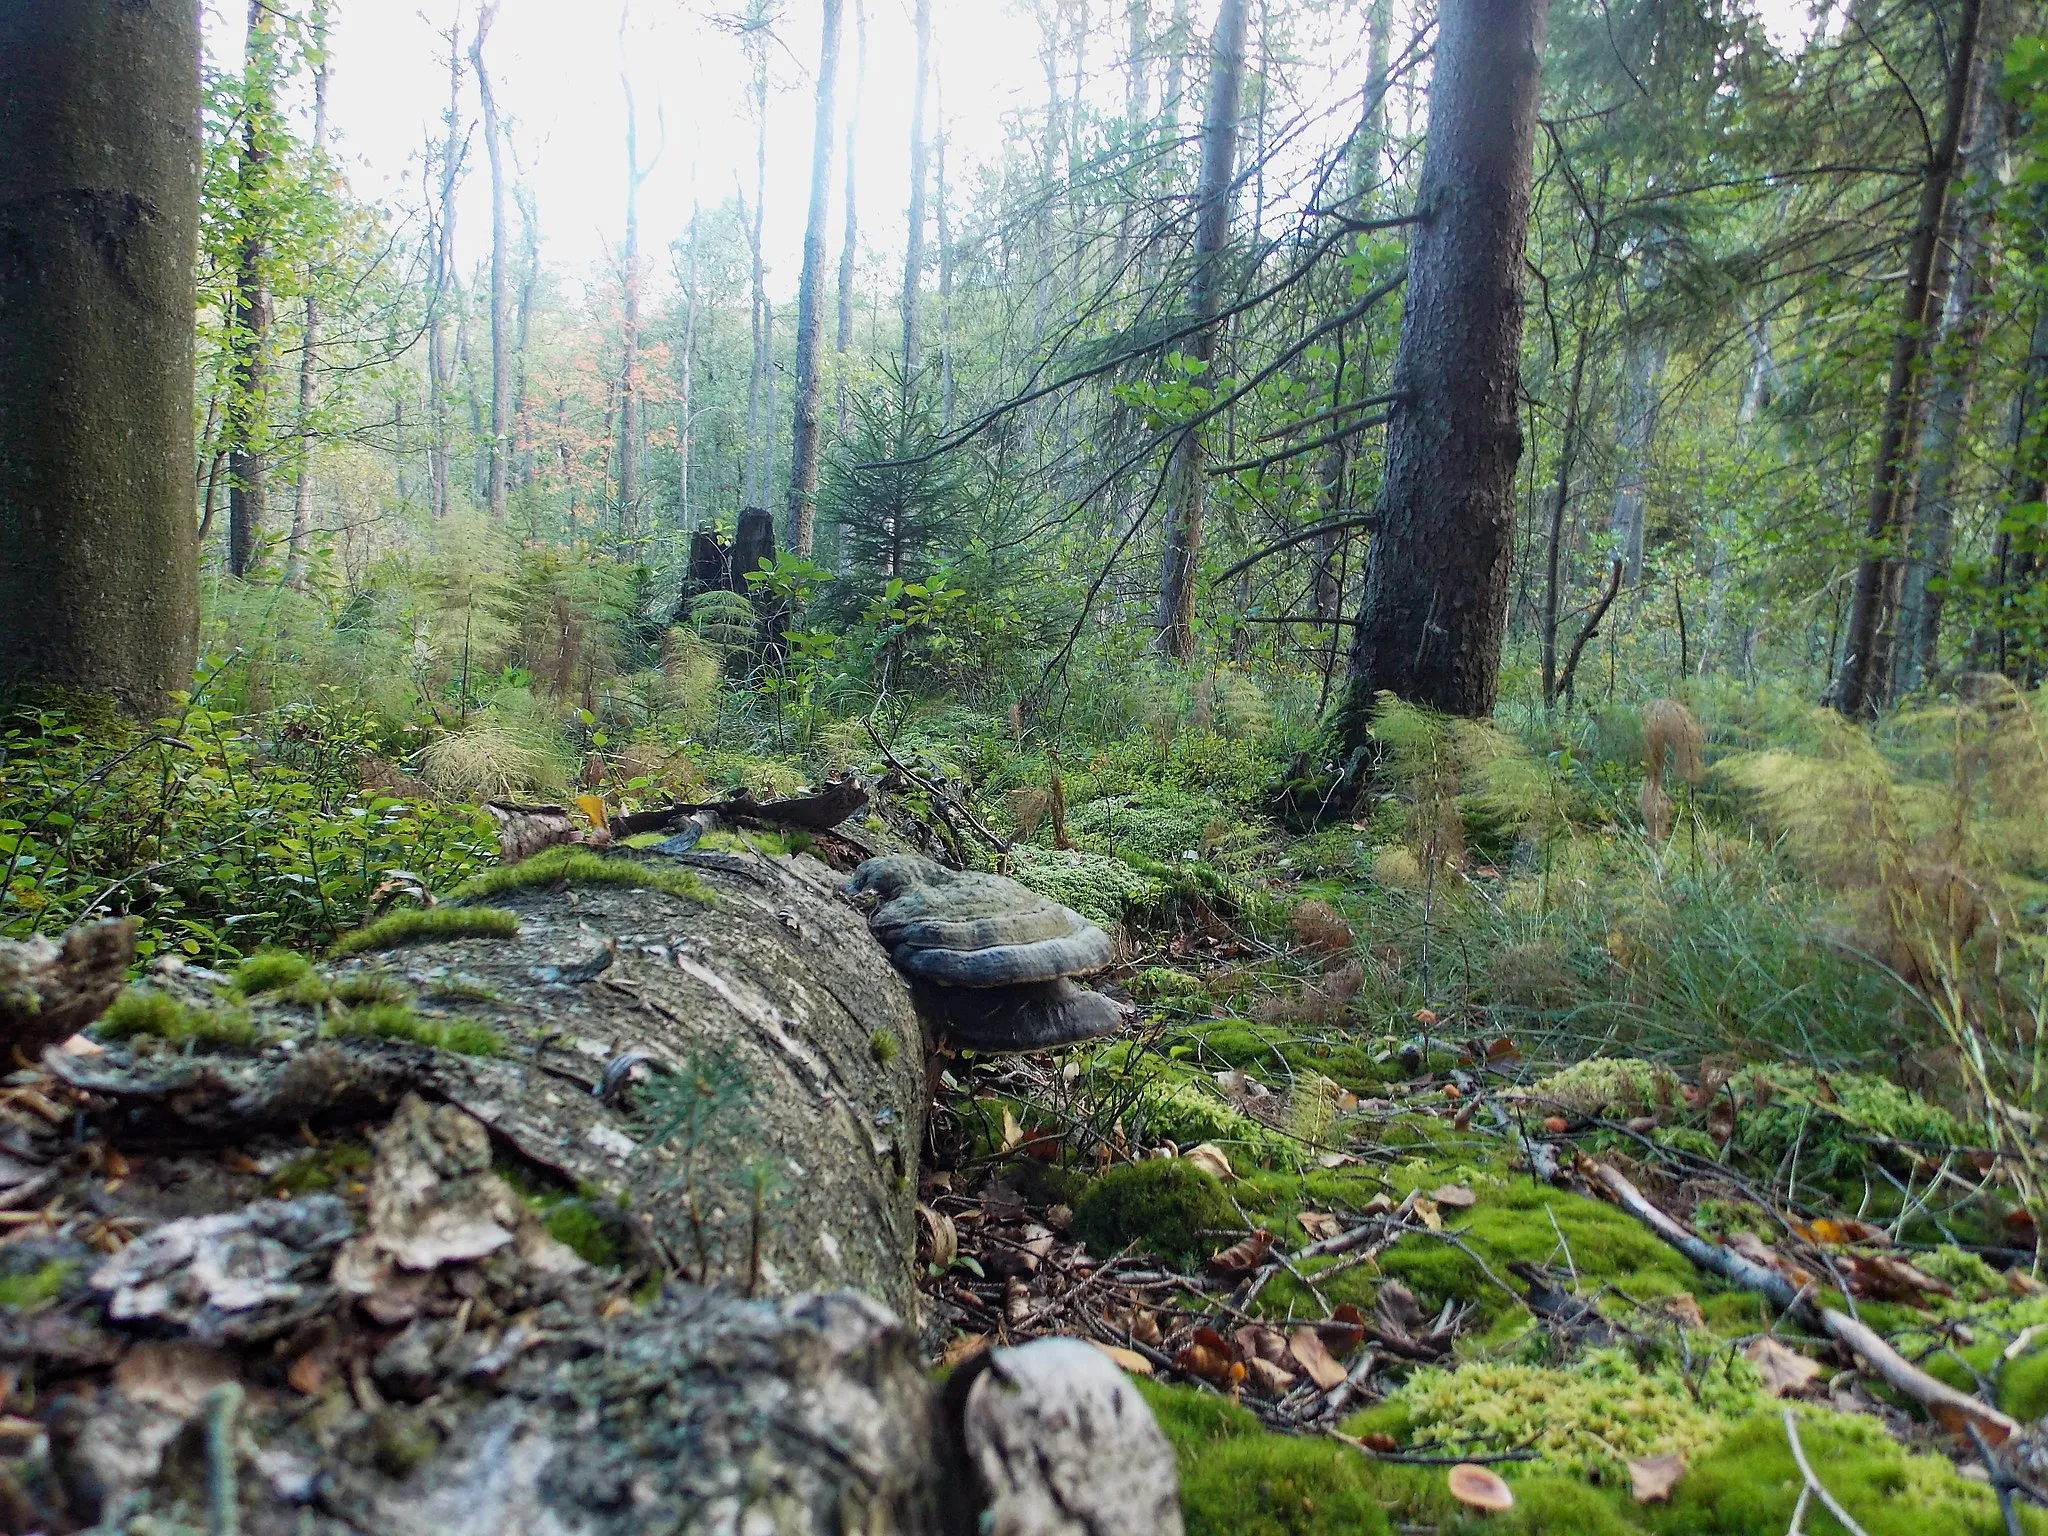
[1435,602]
[920,150]
[99,189]
[521,445]
[754,494]
[685,416]
[629,320]
[501,380]
[1181,562]
[810,317]
[1859,688]
[440,358]
[849,242]
[248,401]
[309,334]
[1560,502]
[1642,377]
[945,234]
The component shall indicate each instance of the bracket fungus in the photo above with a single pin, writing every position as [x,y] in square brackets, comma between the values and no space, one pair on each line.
[989,959]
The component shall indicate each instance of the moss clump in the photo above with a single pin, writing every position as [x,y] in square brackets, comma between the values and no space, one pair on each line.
[1162,983]
[1164,1205]
[272,970]
[1276,1054]
[412,926]
[1099,887]
[580,866]
[884,1045]
[395,1021]
[367,987]
[757,841]
[1829,1117]
[458,989]
[590,1232]
[323,1168]
[145,1011]
[1589,1418]
[1612,1087]
[309,991]
[32,1290]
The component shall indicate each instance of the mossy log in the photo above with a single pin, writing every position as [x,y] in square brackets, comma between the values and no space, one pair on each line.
[418,1347]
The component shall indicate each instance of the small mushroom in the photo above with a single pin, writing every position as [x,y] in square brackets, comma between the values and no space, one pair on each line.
[1480,1489]
[1034,1016]
[962,928]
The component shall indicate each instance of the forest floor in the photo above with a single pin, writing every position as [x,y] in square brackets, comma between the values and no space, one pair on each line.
[1339,1193]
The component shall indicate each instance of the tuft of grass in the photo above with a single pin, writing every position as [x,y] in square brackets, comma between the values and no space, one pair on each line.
[395,1021]
[145,1011]
[369,987]
[413,925]
[580,866]
[272,970]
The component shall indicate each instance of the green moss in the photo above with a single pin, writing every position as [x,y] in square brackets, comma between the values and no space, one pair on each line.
[1164,1205]
[884,1045]
[309,991]
[1281,1483]
[457,989]
[582,1227]
[413,926]
[37,1288]
[1163,983]
[1613,1087]
[146,1011]
[325,1167]
[1829,1119]
[272,970]
[369,987]
[1273,1054]
[757,841]
[580,866]
[1101,888]
[395,1021]
[1748,1485]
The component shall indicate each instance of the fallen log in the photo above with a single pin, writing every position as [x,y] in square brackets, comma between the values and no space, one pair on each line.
[711,1067]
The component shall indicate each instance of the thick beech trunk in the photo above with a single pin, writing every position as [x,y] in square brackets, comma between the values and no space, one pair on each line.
[810,316]
[99,191]
[1435,603]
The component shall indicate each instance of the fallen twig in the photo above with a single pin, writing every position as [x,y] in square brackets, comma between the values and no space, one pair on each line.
[1813,1486]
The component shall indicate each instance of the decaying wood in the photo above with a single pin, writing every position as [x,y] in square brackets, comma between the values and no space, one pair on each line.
[1954,1408]
[416,1353]
[50,990]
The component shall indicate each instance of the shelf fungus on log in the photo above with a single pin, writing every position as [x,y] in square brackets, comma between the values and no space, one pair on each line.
[991,960]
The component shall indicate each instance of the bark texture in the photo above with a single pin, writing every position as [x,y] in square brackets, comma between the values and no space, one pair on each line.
[1435,601]
[99,193]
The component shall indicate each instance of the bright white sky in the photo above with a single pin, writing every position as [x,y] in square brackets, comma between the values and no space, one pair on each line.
[557,63]
[556,69]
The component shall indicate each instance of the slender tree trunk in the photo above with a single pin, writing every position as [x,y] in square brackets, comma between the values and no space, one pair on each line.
[1182,559]
[1560,502]
[521,446]
[309,334]
[1999,643]
[440,357]
[1965,315]
[249,403]
[98,573]
[755,493]
[945,234]
[501,379]
[920,150]
[684,414]
[1860,686]
[1642,376]
[630,433]
[810,316]
[1433,611]
[849,244]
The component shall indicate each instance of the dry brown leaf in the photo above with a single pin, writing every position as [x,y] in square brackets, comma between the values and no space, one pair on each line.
[1785,1372]
[1653,1477]
[2020,1283]
[1306,1345]
[1255,1341]
[965,1347]
[1145,1327]
[1126,1359]
[1425,1211]
[1013,1133]
[1209,1357]
[1334,1159]
[1479,1489]
[942,1238]
[1454,1197]
[1319,1224]
[1210,1159]
[1835,1231]
[1017,1308]
[1378,1205]
[1248,1253]
[1268,1377]
[1345,1330]
[1684,1310]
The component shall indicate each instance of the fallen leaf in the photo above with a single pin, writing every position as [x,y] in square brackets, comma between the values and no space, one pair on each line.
[1210,1159]
[1478,1488]
[1454,1197]
[1013,1133]
[1334,1159]
[941,1235]
[965,1347]
[1319,1224]
[1145,1327]
[1255,1341]
[1345,1330]
[1426,1212]
[1684,1310]
[1270,1378]
[1126,1359]
[1378,1205]
[1886,1278]
[1502,1049]
[1652,1478]
[592,807]
[1306,1345]
[1017,1308]
[1785,1372]
[2020,1283]
[1379,1440]
[1956,1421]
[1246,1254]
[1837,1230]
[1209,1358]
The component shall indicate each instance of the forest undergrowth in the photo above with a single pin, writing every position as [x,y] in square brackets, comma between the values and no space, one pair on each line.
[1786,975]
